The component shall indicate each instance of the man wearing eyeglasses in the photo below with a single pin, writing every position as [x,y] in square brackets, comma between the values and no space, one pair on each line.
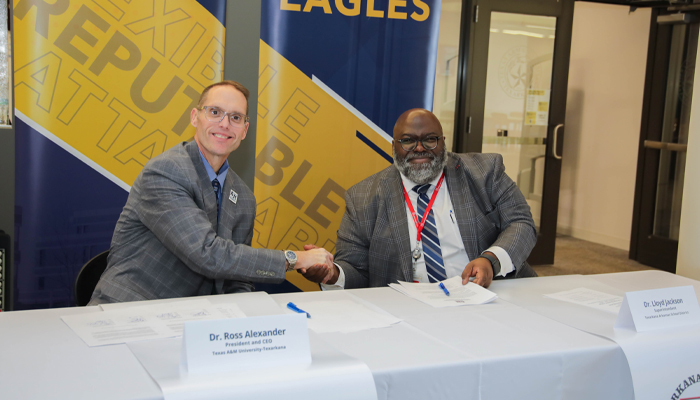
[187,225]
[432,215]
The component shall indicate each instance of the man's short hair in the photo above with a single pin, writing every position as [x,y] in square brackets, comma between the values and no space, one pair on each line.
[234,84]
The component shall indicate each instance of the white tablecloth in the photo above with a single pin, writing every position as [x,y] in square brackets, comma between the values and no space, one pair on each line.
[501,350]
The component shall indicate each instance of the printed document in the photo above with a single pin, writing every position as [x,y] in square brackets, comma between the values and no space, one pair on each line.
[130,324]
[344,316]
[589,298]
[460,295]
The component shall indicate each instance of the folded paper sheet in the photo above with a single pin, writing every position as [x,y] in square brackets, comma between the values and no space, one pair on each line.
[460,295]
[129,324]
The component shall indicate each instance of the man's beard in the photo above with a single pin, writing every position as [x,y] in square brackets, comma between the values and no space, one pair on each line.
[421,173]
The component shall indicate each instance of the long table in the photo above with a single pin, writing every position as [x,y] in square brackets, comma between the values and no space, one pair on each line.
[505,349]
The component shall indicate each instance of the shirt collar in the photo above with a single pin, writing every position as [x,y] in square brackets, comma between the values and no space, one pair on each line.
[221,176]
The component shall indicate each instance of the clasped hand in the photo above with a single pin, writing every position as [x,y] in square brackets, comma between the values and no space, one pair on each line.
[319,274]
[318,260]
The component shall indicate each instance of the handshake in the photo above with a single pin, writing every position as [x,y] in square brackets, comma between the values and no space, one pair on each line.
[316,264]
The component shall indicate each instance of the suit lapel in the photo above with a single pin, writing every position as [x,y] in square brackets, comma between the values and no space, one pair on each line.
[206,191]
[463,204]
[396,210]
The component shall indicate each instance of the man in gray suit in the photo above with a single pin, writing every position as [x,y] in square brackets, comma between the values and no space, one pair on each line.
[478,224]
[187,225]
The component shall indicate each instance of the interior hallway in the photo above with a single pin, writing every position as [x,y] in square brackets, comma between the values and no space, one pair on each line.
[576,256]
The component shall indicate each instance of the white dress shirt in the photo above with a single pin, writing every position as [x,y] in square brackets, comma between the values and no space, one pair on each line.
[454,255]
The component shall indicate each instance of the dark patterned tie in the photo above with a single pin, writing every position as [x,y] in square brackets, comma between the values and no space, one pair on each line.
[217,189]
[429,237]
[218,286]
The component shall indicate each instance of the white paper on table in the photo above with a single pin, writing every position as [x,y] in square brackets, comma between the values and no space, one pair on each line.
[460,295]
[130,324]
[331,374]
[343,316]
[589,298]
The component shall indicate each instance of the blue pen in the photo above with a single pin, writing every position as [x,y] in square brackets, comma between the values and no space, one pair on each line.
[294,308]
[444,289]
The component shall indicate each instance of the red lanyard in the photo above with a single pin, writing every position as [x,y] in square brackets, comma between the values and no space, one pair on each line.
[419,227]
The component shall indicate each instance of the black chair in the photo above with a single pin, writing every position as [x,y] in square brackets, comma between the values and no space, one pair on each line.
[88,277]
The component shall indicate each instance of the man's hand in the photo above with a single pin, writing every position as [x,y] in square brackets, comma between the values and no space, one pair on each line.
[316,264]
[479,268]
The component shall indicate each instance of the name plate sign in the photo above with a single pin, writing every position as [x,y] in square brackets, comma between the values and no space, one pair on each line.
[659,309]
[244,343]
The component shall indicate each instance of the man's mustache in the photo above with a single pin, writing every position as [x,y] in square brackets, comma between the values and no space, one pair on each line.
[411,156]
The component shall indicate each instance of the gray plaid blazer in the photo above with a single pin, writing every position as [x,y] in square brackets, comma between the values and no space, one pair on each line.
[166,243]
[374,248]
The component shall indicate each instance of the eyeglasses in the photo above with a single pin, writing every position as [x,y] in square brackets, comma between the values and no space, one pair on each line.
[215,114]
[429,143]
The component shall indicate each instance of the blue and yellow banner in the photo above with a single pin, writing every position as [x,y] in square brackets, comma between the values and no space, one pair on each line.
[101,87]
[114,80]
[334,77]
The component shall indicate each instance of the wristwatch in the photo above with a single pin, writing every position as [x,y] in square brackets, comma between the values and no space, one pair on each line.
[291,259]
[495,264]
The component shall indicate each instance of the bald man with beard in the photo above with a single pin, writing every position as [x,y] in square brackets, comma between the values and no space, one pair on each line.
[478,225]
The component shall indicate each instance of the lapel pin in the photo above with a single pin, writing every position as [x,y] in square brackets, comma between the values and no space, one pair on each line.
[233,197]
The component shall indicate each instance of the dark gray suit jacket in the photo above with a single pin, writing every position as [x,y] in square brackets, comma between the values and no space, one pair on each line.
[373,244]
[166,243]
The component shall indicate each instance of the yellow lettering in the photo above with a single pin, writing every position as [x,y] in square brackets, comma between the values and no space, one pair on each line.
[288,191]
[292,118]
[323,199]
[40,76]
[75,28]
[299,234]
[265,78]
[187,45]
[264,221]
[108,55]
[125,116]
[350,12]
[139,85]
[265,158]
[44,10]
[112,9]
[424,7]
[157,23]
[392,9]
[285,6]
[371,12]
[318,3]
[145,149]
[86,88]
[330,246]
[184,121]
[209,67]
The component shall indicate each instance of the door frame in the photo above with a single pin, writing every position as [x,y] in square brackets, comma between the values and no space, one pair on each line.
[469,111]
[646,248]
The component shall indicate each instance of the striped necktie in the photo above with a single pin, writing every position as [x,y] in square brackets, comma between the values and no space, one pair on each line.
[218,286]
[429,237]
[217,190]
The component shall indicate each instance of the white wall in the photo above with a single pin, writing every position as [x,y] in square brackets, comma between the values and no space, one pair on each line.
[603,118]
[688,263]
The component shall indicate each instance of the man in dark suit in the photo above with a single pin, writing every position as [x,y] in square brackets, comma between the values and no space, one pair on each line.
[478,224]
[187,225]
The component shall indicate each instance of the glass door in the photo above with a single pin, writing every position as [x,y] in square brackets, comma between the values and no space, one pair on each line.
[664,140]
[516,99]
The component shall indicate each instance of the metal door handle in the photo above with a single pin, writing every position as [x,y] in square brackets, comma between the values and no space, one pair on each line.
[554,142]
[652,144]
